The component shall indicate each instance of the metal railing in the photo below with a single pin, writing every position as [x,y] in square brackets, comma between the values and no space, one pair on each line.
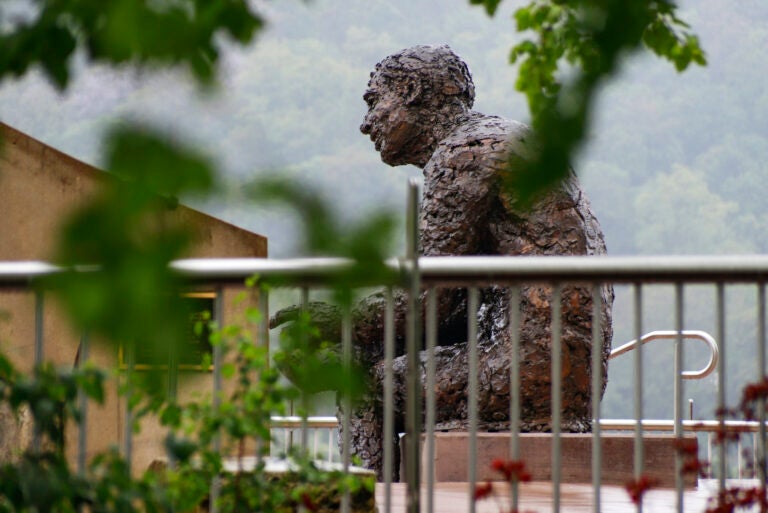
[702,373]
[318,436]
[415,274]
[477,272]
[287,426]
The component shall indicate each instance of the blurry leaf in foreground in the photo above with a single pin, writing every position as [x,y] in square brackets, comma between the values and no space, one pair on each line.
[182,32]
[575,46]
[128,233]
[490,5]
[314,364]
[368,242]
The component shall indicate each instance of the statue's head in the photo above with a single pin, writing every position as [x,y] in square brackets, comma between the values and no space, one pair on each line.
[414,99]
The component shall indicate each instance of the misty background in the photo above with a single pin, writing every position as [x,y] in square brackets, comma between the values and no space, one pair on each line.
[675,163]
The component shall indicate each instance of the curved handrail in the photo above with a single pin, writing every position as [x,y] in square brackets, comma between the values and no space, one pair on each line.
[714,354]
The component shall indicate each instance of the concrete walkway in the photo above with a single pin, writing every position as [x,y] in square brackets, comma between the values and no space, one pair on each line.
[537,497]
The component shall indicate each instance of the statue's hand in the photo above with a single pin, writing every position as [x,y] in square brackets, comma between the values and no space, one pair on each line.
[309,346]
[325,320]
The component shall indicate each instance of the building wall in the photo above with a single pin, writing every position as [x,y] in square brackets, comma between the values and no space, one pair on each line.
[39,188]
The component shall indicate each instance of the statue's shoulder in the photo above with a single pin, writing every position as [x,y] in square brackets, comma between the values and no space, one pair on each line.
[481,133]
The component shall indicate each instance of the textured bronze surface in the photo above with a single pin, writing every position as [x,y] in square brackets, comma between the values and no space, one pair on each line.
[419,112]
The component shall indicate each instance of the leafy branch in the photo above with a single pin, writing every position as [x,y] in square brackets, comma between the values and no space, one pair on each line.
[573,47]
[143,32]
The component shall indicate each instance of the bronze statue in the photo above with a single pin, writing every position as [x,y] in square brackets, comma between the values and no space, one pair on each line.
[419,112]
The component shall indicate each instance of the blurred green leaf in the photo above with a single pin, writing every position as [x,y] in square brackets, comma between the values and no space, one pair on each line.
[125,237]
[490,5]
[592,36]
[145,33]
[367,243]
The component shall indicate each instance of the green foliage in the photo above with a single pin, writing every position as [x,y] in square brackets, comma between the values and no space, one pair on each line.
[201,434]
[490,5]
[701,220]
[577,45]
[49,395]
[311,358]
[125,238]
[367,244]
[141,32]
[40,479]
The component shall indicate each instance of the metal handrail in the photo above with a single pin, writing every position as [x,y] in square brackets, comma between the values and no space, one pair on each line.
[456,270]
[696,426]
[417,273]
[706,426]
[714,353]
[296,422]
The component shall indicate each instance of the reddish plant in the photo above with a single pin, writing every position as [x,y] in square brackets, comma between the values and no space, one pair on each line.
[483,490]
[636,488]
[308,503]
[730,499]
[513,470]
[752,394]
[689,450]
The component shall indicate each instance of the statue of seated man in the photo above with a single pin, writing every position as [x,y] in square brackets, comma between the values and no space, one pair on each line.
[420,112]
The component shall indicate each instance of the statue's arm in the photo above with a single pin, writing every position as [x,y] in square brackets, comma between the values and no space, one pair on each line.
[368,318]
[460,191]
[460,198]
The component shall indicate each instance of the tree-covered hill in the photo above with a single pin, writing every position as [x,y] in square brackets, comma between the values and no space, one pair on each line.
[675,164]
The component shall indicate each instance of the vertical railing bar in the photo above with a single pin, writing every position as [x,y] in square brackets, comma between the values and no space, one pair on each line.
[263,340]
[514,386]
[172,391]
[346,348]
[761,375]
[82,434]
[218,318]
[754,472]
[39,322]
[678,394]
[130,350]
[389,417]
[39,355]
[431,334]
[413,342]
[472,391]
[720,330]
[638,389]
[304,431]
[173,375]
[330,445]
[556,393]
[739,457]
[597,387]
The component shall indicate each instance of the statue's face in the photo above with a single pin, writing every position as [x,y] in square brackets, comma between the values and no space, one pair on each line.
[391,124]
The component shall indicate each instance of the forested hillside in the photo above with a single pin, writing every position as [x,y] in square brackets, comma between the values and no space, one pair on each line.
[676,163]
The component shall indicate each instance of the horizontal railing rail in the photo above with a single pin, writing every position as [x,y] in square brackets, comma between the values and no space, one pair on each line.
[452,271]
[421,273]
[662,425]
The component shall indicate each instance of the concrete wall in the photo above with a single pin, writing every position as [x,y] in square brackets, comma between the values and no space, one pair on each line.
[39,188]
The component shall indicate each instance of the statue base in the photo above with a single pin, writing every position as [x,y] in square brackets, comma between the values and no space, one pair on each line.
[451,461]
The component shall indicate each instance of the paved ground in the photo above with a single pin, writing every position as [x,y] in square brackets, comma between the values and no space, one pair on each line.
[537,497]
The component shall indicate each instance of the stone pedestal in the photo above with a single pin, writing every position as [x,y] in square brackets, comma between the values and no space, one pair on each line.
[451,462]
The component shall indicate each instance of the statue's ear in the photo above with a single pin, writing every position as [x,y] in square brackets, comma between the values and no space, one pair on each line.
[413,93]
